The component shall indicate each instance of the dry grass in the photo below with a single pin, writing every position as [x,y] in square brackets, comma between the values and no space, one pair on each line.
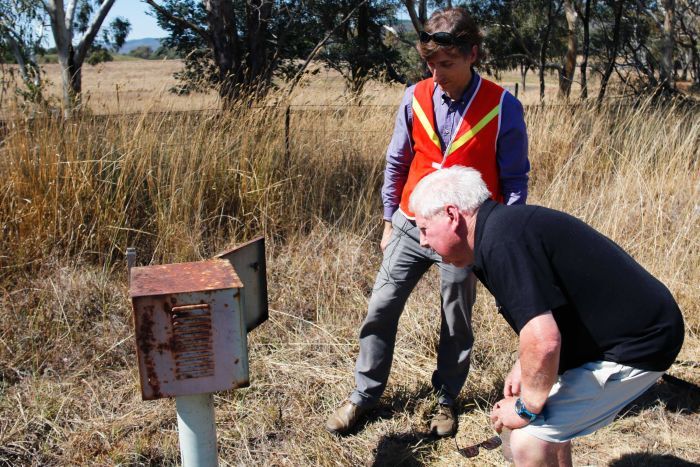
[136,85]
[183,186]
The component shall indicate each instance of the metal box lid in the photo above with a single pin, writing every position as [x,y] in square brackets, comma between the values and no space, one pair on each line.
[200,276]
[248,260]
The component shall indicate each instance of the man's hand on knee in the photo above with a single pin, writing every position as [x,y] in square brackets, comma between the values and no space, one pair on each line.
[503,415]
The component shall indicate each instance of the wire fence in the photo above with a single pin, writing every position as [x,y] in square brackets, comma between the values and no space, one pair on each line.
[307,121]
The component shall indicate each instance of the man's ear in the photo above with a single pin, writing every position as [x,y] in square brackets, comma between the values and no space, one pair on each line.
[452,213]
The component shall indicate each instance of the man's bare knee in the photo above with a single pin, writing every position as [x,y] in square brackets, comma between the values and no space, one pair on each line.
[531,451]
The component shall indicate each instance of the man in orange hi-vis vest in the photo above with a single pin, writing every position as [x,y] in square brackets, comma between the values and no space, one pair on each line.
[453,118]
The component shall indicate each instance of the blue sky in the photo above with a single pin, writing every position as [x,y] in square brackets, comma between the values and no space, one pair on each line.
[142,25]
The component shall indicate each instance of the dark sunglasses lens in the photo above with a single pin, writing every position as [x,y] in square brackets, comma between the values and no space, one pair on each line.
[440,38]
[473,451]
[469,452]
[443,38]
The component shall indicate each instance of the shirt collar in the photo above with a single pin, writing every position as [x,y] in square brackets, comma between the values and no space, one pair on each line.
[466,95]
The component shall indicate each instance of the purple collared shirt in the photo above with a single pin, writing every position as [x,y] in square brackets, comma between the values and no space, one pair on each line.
[511,145]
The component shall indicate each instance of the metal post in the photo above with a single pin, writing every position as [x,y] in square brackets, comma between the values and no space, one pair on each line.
[130,260]
[195,423]
[516,90]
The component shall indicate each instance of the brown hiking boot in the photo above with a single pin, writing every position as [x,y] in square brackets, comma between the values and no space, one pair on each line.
[344,418]
[444,422]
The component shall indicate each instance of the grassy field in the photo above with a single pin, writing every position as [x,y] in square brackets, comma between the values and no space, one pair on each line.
[136,85]
[184,186]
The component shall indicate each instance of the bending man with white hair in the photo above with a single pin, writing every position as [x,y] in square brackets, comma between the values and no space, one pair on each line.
[595,329]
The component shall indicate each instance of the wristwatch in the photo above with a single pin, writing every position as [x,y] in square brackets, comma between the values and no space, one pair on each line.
[522,411]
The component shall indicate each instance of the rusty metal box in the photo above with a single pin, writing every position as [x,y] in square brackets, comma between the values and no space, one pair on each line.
[190,328]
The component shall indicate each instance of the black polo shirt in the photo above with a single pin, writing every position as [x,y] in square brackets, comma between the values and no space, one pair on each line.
[607,307]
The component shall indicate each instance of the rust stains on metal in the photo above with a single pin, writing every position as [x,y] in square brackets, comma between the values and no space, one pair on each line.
[192,341]
[145,339]
[215,274]
[146,342]
[184,325]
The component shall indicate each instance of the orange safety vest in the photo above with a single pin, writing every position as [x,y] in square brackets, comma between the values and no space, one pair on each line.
[481,117]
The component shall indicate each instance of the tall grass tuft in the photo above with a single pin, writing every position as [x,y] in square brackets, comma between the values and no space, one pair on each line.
[179,185]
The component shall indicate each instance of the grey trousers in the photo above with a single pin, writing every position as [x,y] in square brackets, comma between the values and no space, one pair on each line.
[404,263]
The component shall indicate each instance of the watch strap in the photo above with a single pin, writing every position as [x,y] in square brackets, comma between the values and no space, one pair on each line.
[523,412]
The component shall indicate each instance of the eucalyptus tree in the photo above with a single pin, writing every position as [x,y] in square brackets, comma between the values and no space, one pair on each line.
[74,25]
[529,33]
[357,49]
[239,46]
[229,45]
[688,39]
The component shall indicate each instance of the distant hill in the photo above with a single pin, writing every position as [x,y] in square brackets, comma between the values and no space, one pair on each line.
[403,25]
[130,45]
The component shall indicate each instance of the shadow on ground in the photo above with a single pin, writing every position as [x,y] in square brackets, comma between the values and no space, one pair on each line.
[675,394]
[412,448]
[640,459]
[405,449]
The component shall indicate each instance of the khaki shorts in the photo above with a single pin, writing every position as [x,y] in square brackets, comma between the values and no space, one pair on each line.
[587,398]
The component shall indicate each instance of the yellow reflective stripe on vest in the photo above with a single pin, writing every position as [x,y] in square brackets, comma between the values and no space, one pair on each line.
[418,112]
[459,142]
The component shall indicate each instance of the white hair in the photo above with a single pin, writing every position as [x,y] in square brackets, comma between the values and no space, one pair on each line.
[459,186]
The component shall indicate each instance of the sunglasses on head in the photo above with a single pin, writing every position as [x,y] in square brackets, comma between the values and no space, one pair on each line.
[441,38]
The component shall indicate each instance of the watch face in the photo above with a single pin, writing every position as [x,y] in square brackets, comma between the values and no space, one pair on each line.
[522,411]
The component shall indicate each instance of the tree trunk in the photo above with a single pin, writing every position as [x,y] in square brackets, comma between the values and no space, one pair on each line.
[695,64]
[423,11]
[63,38]
[666,71]
[71,57]
[569,68]
[221,19]
[415,18]
[359,71]
[586,49]
[619,6]
[258,14]
[693,56]
[76,76]
[545,46]
[523,73]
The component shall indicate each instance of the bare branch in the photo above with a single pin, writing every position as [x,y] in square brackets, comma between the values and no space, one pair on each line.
[70,13]
[316,49]
[92,30]
[410,6]
[61,35]
[181,21]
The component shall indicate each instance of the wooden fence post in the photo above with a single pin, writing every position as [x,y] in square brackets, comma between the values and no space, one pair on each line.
[287,149]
